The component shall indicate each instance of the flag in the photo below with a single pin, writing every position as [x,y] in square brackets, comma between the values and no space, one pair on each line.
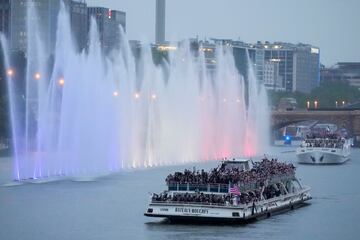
[234,190]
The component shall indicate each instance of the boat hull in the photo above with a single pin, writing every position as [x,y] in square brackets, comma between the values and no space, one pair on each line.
[211,220]
[176,212]
[322,155]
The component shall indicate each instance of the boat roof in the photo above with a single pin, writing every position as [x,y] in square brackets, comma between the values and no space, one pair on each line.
[324,125]
[236,160]
[241,163]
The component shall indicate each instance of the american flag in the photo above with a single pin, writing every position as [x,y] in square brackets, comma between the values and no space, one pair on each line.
[234,190]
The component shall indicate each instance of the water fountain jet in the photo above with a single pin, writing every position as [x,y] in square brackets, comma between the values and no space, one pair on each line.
[92,114]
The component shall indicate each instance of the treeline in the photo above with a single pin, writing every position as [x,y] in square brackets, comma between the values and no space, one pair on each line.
[327,94]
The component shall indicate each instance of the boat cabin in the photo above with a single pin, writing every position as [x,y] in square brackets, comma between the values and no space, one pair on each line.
[240,163]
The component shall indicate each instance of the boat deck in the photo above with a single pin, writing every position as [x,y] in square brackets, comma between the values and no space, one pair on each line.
[200,212]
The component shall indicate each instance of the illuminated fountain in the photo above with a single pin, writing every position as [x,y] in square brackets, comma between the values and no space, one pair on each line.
[92,114]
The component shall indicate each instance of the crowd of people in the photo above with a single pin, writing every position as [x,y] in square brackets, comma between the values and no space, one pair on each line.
[260,173]
[327,135]
[324,143]
[247,197]
[324,140]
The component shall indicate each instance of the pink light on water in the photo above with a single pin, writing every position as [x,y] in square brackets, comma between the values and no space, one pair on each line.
[250,143]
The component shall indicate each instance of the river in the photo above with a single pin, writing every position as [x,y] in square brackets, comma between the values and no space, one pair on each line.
[112,207]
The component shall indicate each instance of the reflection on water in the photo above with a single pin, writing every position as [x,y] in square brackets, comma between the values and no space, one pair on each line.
[112,208]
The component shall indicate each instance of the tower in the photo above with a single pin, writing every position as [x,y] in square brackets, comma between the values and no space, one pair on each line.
[160,22]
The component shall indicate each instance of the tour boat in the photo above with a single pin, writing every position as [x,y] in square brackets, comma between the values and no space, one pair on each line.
[324,151]
[290,193]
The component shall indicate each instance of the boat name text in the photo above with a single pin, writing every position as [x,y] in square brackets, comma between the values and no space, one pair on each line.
[192,210]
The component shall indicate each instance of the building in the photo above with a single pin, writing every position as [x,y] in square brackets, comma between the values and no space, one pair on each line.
[243,54]
[271,76]
[297,66]
[160,22]
[108,22]
[331,74]
[342,71]
[5,17]
[13,22]
[18,21]
[279,66]
[79,22]
[14,15]
[306,68]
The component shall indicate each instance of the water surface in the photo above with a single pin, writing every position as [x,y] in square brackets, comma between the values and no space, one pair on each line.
[112,208]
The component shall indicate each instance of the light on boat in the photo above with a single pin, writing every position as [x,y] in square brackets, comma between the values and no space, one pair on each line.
[153,96]
[137,95]
[116,93]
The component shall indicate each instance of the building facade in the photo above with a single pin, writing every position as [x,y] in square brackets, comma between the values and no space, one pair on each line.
[5,17]
[14,21]
[306,68]
[160,21]
[108,22]
[244,54]
[279,66]
[342,71]
[79,22]
[271,76]
[14,15]
[297,66]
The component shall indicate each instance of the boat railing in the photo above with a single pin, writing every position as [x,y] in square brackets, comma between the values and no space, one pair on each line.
[224,188]
[323,143]
[215,188]
[281,178]
[193,203]
[229,204]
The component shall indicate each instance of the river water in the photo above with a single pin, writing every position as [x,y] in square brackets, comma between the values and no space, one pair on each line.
[112,207]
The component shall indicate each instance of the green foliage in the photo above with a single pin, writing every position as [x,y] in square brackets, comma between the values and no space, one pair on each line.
[275,97]
[326,95]
[331,92]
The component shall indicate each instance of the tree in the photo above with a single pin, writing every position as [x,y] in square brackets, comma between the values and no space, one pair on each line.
[331,92]
[326,94]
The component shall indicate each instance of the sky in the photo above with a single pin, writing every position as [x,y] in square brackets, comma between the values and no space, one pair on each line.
[332,25]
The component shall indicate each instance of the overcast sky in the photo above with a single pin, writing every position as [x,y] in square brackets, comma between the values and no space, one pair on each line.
[332,25]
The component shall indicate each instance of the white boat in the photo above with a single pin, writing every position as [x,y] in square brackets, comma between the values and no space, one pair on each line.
[291,194]
[324,151]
